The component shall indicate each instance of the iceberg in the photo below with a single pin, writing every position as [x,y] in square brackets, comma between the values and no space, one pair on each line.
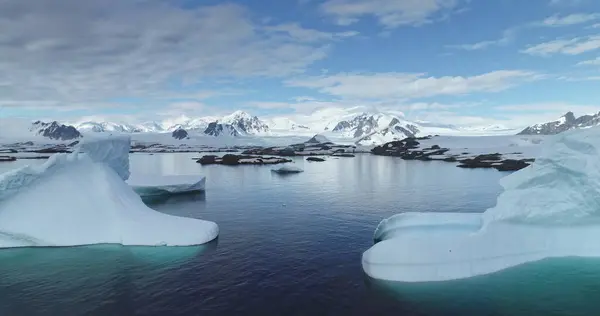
[149,185]
[547,210]
[287,170]
[82,199]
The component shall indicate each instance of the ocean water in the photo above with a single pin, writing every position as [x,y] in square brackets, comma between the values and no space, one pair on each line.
[289,245]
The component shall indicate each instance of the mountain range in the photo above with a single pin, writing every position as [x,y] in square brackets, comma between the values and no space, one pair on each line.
[361,125]
[564,123]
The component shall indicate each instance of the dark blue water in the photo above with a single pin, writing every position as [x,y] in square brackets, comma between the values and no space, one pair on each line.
[289,245]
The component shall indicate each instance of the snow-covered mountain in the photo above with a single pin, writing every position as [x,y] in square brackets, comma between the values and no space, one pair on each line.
[101,127]
[367,124]
[245,124]
[361,125]
[196,124]
[564,123]
[54,130]
[284,125]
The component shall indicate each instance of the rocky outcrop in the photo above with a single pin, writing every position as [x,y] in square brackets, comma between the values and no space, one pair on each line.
[398,148]
[218,129]
[410,149]
[180,134]
[234,160]
[494,161]
[315,159]
[318,139]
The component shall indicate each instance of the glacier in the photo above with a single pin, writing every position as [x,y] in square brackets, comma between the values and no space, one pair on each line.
[547,210]
[82,198]
[151,185]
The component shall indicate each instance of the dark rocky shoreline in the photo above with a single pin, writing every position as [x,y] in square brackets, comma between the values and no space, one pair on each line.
[409,149]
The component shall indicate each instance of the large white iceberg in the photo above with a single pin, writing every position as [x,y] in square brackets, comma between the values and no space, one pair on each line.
[550,209]
[150,185]
[82,199]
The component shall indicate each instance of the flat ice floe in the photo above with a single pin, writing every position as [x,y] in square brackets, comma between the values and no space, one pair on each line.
[547,210]
[151,185]
[82,199]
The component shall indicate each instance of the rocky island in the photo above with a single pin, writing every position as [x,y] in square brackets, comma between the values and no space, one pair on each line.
[234,160]
[412,149]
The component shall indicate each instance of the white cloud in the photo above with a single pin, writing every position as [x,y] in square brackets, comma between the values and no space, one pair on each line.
[411,85]
[550,107]
[592,62]
[269,105]
[423,106]
[574,46]
[579,79]
[572,19]
[301,34]
[509,34]
[81,52]
[390,13]
[566,2]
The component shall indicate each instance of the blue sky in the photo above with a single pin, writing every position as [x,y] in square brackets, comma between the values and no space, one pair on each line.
[511,62]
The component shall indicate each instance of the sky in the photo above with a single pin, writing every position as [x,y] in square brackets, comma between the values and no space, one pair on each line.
[462,62]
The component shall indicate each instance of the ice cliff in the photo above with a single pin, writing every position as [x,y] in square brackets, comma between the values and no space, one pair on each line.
[547,210]
[82,199]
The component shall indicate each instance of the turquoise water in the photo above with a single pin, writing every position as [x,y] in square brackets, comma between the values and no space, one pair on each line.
[563,286]
[289,245]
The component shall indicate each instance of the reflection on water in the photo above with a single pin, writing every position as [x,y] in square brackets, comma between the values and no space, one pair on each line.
[91,280]
[559,286]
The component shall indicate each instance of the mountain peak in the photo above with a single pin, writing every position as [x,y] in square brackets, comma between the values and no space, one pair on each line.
[569,117]
[55,130]
[565,123]
[239,114]
[244,123]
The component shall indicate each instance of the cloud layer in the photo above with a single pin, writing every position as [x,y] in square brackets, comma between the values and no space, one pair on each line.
[390,13]
[411,85]
[84,51]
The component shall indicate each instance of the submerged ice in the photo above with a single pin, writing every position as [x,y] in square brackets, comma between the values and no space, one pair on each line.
[150,185]
[288,169]
[82,198]
[547,210]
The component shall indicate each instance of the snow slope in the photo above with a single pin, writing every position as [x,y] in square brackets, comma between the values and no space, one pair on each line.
[82,199]
[547,210]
